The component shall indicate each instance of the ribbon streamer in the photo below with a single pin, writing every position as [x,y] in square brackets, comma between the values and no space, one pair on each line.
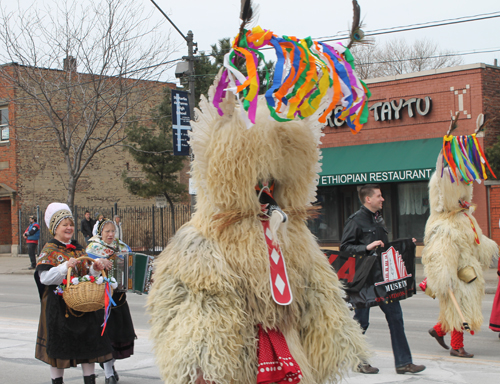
[108,301]
[465,159]
[306,73]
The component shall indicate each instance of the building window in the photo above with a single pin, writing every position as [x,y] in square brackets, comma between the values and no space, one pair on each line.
[413,209]
[4,124]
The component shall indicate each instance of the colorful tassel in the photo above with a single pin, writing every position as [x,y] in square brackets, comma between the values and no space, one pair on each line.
[306,73]
[465,159]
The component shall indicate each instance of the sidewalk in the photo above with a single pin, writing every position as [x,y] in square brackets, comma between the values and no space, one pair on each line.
[19,265]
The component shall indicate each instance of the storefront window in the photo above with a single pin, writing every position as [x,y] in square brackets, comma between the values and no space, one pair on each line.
[413,209]
[326,225]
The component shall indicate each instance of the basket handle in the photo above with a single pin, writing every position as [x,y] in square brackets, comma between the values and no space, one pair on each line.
[68,276]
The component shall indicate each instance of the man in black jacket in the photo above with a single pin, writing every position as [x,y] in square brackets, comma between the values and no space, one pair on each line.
[86,226]
[364,232]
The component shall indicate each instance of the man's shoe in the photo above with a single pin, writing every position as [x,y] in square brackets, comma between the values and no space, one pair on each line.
[367,368]
[110,380]
[115,374]
[461,352]
[31,268]
[440,339]
[410,368]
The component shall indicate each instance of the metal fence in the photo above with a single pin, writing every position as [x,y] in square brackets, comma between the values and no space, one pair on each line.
[145,229]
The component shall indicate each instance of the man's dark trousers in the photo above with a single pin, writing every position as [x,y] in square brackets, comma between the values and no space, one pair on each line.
[32,253]
[394,316]
[361,229]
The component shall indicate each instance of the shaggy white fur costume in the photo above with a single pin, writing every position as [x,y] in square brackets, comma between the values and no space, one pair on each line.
[211,285]
[449,247]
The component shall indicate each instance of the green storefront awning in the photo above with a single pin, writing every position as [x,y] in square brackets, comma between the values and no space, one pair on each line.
[397,161]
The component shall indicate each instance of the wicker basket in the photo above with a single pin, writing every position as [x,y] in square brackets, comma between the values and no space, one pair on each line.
[85,296]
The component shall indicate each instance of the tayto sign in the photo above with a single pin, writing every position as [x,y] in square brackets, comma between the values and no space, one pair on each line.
[180,122]
[390,110]
[393,110]
[376,177]
[388,275]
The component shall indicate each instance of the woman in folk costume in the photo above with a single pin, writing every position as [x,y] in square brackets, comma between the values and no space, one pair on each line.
[120,327]
[456,251]
[243,293]
[66,337]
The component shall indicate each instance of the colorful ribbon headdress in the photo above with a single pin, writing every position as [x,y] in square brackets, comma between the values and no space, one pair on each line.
[464,156]
[307,75]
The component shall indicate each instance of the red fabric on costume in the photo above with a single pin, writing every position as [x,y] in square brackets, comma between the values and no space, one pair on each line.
[457,339]
[495,311]
[276,364]
[438,330]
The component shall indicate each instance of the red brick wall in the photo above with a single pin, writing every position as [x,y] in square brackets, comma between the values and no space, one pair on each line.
[8,176]
[435,124]
[491,101]
[494,213]
[476,90]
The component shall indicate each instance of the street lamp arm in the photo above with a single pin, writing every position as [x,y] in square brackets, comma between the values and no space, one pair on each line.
[171,22]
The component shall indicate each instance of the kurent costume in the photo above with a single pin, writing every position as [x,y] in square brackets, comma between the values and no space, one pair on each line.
[456,251]
[362,228]
[243,294]
[65,337]
[32,236]
[120,327]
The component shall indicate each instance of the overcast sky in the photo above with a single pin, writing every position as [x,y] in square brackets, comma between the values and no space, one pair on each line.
[211,20]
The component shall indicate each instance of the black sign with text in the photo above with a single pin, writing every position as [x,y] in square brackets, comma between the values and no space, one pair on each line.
[386,276]
[181,119]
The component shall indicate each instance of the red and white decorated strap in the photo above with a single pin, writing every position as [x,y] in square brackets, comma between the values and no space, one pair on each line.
[280,287]
[276,364]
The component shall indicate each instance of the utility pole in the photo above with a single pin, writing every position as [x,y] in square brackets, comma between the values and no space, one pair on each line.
[189,58]
[189,73]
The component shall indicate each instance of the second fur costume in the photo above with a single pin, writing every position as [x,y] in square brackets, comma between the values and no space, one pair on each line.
[454,244]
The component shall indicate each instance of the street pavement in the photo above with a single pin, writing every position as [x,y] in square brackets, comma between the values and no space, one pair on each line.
[19,311]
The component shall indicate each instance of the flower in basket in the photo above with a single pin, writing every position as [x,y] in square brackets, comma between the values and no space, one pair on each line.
[59,291]
[112,281]
[76,280]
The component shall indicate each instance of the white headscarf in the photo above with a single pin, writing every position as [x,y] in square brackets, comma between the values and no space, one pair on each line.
[55,213]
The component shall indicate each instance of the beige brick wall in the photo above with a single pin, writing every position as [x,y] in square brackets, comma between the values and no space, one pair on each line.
[42,173]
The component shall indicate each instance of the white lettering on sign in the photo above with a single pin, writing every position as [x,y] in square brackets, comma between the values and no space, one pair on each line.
[388,110]
[376,177]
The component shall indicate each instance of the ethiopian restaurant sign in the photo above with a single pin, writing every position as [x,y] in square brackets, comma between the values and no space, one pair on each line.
[376,177]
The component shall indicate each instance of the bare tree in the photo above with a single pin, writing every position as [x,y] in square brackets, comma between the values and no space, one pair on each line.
[78,73]
[398,57]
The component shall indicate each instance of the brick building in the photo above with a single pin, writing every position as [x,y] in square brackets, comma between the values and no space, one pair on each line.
[398,148]
[32,167]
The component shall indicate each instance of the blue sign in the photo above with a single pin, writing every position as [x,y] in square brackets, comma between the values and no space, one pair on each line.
[181,118]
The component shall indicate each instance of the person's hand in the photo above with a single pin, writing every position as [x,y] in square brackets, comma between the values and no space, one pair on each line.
[414,240]
[375,244]
[71,263]
[101,264]
[108,264]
